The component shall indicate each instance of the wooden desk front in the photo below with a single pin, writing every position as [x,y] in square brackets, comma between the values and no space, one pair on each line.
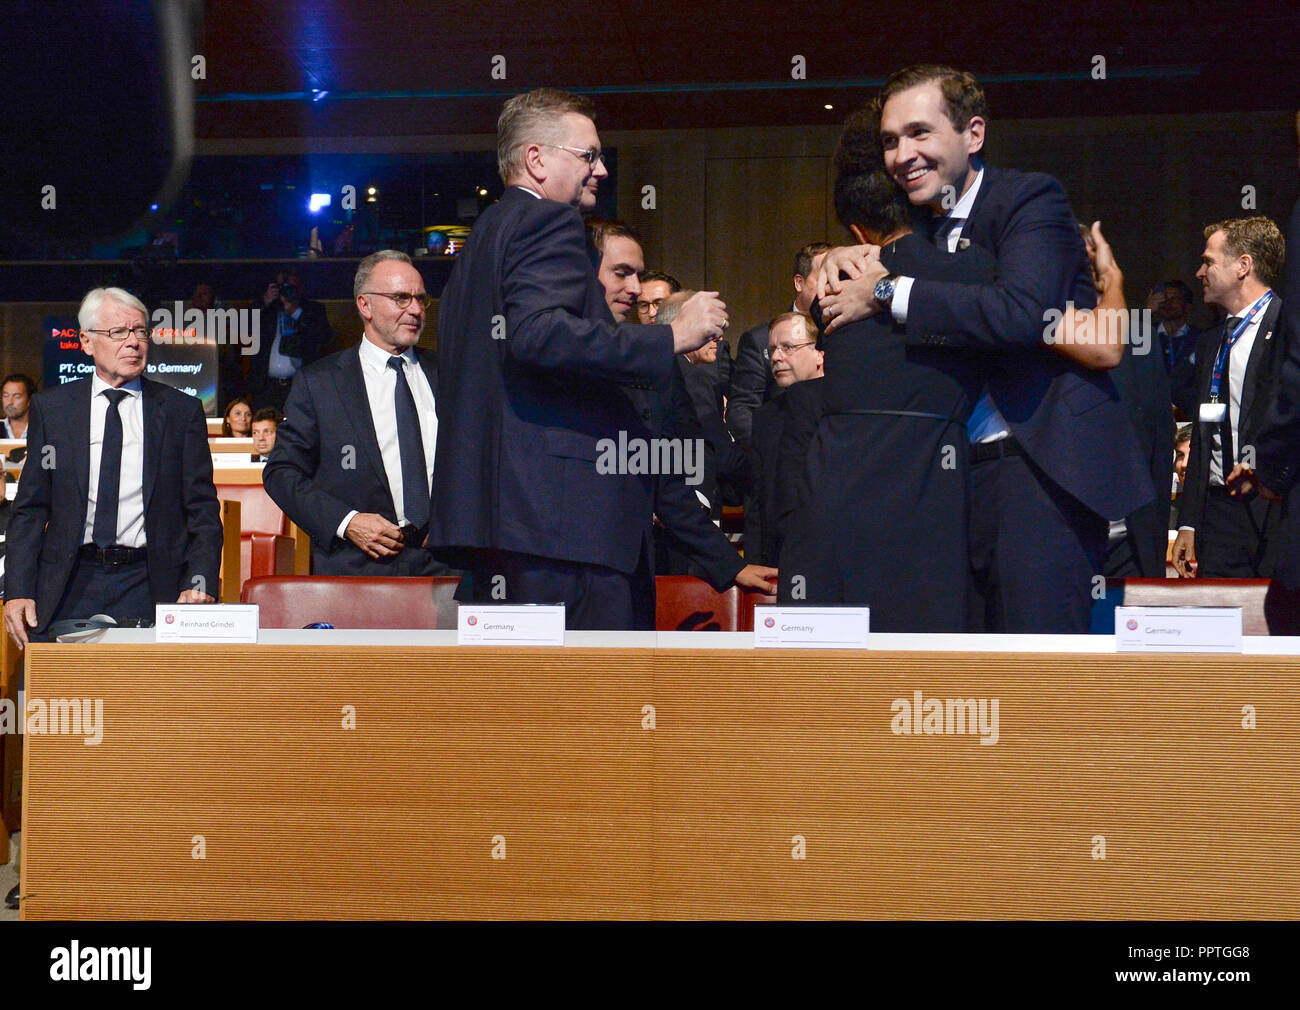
[543,756]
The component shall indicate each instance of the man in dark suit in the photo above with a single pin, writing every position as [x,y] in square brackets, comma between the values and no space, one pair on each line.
[116,510]
[752,384]
[1053,457]
[794,358]
[533,370]
[354,456]
[1277,446]
[1237,371]
[300,336]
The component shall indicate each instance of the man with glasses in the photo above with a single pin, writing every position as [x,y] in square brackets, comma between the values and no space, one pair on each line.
[353,458]
[116,509]
[793,356]
[533,368]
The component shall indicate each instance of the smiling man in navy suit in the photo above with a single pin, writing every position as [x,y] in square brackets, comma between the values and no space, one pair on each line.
[116,510]
[533,369]
[353,459]
[1053,457]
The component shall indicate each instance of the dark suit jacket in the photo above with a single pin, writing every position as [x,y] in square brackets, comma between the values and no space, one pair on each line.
[726,469]
[311,335]
[1258,391]
[1068,418]
[775,485]
[326,460]
[1143,384]
[695,545]
[1277,446]
[752,384]
[182,520]
[533,372]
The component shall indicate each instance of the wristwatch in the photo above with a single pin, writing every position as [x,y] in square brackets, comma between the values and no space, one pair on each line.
[883,292]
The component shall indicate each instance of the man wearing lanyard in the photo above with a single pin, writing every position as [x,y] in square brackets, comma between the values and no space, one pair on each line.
[1237,373]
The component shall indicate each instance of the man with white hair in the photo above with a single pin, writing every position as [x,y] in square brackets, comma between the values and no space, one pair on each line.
[116,510]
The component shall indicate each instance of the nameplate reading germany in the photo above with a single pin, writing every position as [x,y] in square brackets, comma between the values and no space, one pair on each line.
[510,625]
[196,623]
[1178,629]
[811,627]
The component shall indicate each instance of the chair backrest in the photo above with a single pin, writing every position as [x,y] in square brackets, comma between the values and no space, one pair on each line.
[257,513]
[685,603]
[345,601]
[1250,595]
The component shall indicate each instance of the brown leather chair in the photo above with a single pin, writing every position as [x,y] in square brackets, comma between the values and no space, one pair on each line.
[1266,608]
[345,601]
[685,603]
[265,547]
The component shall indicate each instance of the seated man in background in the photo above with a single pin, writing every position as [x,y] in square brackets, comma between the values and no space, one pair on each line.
[18,391]
[265,423]
[795,358]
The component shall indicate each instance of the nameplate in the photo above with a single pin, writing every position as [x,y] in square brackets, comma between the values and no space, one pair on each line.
[196,623]
[1178,629]
[528,624]
[811,627]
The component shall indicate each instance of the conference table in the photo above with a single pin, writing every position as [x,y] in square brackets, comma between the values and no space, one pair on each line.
[396,775]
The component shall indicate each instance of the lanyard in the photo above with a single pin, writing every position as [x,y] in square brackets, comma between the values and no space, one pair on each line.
[1216,377]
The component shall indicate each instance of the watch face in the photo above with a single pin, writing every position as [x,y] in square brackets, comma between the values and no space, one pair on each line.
[884,290]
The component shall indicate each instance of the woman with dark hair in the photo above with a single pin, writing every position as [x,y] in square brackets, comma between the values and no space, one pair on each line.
[238,419]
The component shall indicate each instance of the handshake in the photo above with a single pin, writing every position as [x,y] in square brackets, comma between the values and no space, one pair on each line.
[702,318]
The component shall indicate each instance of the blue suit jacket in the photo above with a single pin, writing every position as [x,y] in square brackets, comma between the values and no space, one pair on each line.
[531,369]
[1069,419]
[182,521]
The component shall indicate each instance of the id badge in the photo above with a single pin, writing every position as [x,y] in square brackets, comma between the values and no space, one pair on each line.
[1214,413]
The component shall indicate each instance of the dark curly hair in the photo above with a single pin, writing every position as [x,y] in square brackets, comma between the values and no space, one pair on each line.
[864,194]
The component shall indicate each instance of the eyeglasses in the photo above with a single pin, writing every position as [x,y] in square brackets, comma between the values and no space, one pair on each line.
[403,298]
[119,333]
[590,155]
[787,349]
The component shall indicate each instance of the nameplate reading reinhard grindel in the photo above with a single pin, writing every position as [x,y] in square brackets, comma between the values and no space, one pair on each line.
[197,623]
[505,624]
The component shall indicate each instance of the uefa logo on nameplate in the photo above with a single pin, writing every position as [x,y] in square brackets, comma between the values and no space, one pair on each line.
[812,627]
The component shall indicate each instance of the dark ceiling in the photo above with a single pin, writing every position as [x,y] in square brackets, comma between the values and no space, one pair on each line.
[405,67]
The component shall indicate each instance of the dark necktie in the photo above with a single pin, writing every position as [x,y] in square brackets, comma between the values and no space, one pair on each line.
[1225,395]
[940,228]
[415,481]
[110,471]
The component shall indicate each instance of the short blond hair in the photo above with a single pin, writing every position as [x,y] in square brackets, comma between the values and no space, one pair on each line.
[809,327]
[1258,238]
[534,118]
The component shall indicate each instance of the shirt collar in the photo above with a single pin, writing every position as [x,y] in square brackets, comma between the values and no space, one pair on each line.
[98,385]
[376,357]
[529,191]
[962,211]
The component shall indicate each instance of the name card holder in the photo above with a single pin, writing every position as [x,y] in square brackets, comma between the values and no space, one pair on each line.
[200,623]
[510,624]
[1178,629]
[811,627]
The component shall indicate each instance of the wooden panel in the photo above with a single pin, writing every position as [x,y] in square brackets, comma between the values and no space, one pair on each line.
[230,535]
[759,212]
[696,818]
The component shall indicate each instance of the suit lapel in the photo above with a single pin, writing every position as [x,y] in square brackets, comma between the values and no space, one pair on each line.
[79,433]
[351,385]
[1260,352]
[429,362]
[153,436]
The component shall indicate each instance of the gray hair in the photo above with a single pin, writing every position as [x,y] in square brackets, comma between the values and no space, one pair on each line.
[370,262]
[88,313]
[670,306]
[533,118]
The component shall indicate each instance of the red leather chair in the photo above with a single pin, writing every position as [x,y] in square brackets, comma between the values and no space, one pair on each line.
[265,547]
[685,603]
[345,601]
[1266,608]
[748,601]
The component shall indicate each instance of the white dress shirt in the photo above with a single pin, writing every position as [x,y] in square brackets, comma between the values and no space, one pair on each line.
[986,422]
[9,431]
[381,381]
[1239,359]
[130,488]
